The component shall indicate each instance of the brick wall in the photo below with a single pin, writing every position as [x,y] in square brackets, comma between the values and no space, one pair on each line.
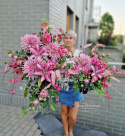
[108,116]
[17,18]
[58,15]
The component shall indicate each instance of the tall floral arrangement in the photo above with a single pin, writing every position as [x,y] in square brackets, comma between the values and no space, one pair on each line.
[43,63]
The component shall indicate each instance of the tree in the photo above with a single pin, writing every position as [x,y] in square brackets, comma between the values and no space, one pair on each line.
[106,25]
[106,28]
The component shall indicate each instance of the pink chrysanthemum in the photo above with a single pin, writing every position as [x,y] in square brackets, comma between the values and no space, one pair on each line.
[30,66]
[30,41]
[85,63]
[52,50]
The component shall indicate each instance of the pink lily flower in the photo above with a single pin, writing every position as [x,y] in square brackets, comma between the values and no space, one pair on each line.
[97,74]
[38,52]
[44,72]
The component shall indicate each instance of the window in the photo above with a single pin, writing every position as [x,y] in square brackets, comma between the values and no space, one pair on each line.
[69,18]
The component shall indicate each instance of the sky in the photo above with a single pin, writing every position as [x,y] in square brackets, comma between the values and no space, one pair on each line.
[117,9]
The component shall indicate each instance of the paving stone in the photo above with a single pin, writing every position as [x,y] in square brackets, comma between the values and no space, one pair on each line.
[9,133]
[1,129]
[24,124]
[37,132]
[22,134]
[30,133]
[15,126]
[2,134]
[34,127]
[7,129]
[16,133]
[26,129]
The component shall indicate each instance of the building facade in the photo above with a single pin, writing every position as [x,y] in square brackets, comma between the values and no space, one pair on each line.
[20,17]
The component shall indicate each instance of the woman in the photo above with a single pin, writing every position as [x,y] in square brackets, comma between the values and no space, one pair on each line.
[70,109]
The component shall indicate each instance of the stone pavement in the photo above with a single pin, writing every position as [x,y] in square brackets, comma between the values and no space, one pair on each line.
[11,124]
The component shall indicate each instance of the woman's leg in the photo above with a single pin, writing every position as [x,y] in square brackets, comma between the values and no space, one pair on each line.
[65,118]
[73,111]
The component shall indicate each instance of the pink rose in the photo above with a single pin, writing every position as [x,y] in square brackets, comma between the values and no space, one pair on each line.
[43,93]
[86,81]
[40,98]
[60,29]
[103,55]
[14,58]
[10,55]
[35,102]
[62,51]
[59,33]
[19,62]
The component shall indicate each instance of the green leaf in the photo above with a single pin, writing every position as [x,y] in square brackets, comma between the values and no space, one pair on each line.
[24,109]
[49,29]
[24,57]
[54,40]
[103,93]
[81,79]
[42,19]
[16,52]
[31,98]
[9,51]
[30,105]
[39,82]
[52,106]
[45,103]
[63,59]
[96,91]
[74,85]
[25,92]
[40,34]
[23,77]
[25,113]
[82,75]
[76,90]
[53,100]
[56,94]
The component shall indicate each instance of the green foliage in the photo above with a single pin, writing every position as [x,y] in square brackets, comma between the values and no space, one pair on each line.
[76,90]
[25,92]
[52,106]
[106,25]
[92,41]
[106,28]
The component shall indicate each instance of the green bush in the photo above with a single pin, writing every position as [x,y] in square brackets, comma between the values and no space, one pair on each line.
[92,41]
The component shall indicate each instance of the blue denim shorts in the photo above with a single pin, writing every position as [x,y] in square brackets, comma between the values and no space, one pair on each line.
[69,97]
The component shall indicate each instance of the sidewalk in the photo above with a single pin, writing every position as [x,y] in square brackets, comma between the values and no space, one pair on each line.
[13,125]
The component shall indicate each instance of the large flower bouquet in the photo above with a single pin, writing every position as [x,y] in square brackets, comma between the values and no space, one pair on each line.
[43,63]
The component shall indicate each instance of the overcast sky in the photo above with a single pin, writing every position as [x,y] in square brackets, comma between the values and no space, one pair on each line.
[117,9]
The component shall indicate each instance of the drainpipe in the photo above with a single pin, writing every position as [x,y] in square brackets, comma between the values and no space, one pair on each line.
[84,23]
